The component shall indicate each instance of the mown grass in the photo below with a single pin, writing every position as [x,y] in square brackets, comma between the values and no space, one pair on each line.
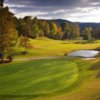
[41,77]
[63,78]
[89,89]
[48,47]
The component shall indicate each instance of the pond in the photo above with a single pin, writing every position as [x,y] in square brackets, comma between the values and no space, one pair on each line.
[84,53]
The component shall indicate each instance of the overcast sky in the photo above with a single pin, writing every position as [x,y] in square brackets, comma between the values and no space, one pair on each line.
[73,10]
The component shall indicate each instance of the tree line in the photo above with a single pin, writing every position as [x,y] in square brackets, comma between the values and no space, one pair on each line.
[33,27]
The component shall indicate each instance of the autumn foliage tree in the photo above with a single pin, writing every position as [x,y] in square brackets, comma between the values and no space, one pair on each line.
[25,42]
[7,33]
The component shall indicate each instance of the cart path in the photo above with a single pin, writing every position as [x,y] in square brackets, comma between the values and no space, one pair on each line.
[37,58]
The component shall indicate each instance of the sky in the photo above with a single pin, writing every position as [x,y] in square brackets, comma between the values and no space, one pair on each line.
[73,10]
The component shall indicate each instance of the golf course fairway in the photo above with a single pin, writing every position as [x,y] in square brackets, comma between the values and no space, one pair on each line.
[38,77]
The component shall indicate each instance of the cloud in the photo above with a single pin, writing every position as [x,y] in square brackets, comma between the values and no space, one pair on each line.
[75,10]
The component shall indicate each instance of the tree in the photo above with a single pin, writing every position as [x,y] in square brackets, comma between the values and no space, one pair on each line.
[44,26]
[24,26]
[59,33]
[87,33]
[36,32]
[66,30]
[1,3]
[35,20]
[53,30]
[19,26]
[7,33]
[75,31]
[47,30]
[27,26]
[97,33]
[25,42]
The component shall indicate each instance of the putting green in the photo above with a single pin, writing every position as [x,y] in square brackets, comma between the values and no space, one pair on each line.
[37,77]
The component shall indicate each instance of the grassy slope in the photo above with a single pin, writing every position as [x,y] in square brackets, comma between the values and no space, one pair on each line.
[51,79]
[41,77]
[37,77]
[48,47]
[88,90]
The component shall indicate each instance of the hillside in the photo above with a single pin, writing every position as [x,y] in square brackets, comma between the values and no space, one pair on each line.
[51,78]
[81,25]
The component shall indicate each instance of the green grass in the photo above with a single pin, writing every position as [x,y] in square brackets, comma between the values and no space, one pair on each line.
[64,78]
[41,77]
[48,47]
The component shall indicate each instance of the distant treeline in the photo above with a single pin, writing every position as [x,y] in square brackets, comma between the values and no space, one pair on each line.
[33,27]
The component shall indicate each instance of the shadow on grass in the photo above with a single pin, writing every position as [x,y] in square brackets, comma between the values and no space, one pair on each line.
[95,66]
[98,75]
[11,97]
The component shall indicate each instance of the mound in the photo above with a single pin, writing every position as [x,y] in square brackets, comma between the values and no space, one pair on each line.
[37,77]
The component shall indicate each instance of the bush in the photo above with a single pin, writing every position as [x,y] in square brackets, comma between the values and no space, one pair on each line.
[24,53]
[10,58]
